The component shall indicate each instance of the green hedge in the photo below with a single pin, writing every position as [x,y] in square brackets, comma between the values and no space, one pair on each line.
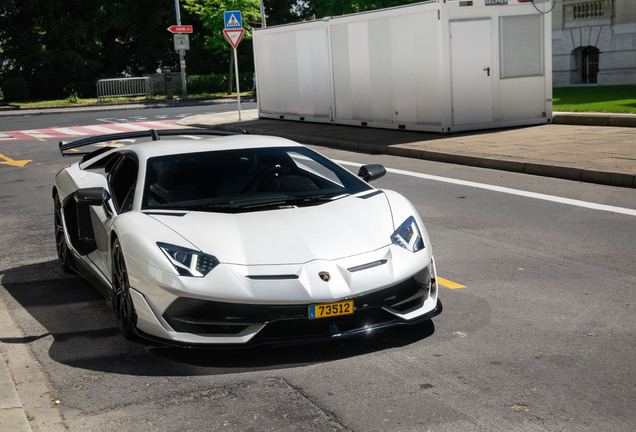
[15,89]
[217,83]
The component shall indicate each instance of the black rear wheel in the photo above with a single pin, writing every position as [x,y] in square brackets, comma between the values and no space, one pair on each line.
[122,300]
[63,253]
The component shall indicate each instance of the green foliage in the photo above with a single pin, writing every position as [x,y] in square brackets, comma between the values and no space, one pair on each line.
[15,89]
[211,83]
[245,82]
[286,11]
[217,83]
[78,41]
[210,13]
[325,8]
[71,93]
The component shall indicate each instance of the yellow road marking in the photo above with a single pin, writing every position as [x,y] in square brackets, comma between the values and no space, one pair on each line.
[449,284]
[9,161]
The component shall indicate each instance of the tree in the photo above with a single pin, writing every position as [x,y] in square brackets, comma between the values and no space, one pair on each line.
[325,8]
[210,13]
[53,44]
[134,40]
[285,11]
[42,42]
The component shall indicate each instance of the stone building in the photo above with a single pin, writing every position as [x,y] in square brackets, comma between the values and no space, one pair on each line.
[594,42]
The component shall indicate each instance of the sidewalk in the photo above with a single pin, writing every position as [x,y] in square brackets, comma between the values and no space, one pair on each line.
[575,146]
[12,415]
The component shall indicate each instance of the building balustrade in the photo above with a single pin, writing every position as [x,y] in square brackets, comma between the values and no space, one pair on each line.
[587,10]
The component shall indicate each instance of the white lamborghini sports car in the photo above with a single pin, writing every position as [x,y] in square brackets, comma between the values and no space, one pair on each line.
[239,239]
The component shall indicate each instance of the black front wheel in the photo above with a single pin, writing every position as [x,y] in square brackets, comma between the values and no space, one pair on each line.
[63,252]
[122,301]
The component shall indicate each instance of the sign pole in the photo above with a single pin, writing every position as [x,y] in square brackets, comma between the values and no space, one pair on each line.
[262,8]
[182,63]
[238,91]
[233,33]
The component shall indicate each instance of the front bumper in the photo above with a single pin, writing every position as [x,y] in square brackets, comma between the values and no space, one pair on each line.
[196,322]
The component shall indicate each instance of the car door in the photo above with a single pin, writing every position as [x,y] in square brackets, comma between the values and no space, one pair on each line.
[122,178]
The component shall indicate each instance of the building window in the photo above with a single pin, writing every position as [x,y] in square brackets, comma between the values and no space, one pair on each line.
[589,64]
[521,46]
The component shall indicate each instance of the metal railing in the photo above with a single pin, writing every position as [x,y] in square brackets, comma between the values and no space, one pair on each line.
[120,87]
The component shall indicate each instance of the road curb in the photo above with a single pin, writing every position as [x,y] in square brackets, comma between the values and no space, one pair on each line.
[594,119]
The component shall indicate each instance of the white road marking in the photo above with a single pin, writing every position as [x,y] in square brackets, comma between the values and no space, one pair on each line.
[69,131]
[111,120]
[36,134]
[89,130]
[132,126]
[102,129]
[159,124]
[6,137]
[534,195]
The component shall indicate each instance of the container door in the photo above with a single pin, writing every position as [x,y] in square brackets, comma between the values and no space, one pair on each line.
[471,72]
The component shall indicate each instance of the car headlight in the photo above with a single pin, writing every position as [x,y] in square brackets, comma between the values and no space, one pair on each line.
[408,236]
[188,262]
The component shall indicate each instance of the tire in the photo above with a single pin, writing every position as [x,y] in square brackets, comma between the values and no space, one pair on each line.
[63,253]
[122,300]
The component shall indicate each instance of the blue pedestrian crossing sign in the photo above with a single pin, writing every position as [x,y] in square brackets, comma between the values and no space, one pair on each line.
[233,19]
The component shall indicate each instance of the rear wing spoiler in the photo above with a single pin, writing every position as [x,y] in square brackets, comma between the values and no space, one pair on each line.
[70,148]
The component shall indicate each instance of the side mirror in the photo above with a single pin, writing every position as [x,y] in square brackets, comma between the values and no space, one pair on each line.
[94,196]
[371,172]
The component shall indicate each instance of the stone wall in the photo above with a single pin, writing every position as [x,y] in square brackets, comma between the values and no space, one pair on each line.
[607,25]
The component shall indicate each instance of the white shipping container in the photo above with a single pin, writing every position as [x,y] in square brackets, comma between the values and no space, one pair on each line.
[440,66]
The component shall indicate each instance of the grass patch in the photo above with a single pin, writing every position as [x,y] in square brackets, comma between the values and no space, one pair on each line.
[618,99]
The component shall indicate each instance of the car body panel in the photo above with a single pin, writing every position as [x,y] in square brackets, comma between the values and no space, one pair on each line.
[294,235]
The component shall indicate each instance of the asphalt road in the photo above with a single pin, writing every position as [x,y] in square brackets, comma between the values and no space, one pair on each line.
[540,337]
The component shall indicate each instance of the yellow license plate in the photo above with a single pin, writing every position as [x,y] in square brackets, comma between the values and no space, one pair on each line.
[330,309]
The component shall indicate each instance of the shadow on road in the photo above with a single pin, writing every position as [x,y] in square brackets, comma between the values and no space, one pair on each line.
[85,335]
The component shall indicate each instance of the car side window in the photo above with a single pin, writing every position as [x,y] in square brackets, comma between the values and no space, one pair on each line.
[122,180]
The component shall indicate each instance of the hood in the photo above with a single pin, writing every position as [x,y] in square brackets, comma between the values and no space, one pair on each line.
[332,230]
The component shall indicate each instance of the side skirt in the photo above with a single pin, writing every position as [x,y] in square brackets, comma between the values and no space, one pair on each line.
[92,274]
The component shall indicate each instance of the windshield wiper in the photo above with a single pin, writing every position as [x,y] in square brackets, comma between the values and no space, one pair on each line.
[285,200]
[253,201]
[249,202]
[314,199]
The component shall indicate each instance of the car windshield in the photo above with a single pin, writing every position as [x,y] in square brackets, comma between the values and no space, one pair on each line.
[246,179]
